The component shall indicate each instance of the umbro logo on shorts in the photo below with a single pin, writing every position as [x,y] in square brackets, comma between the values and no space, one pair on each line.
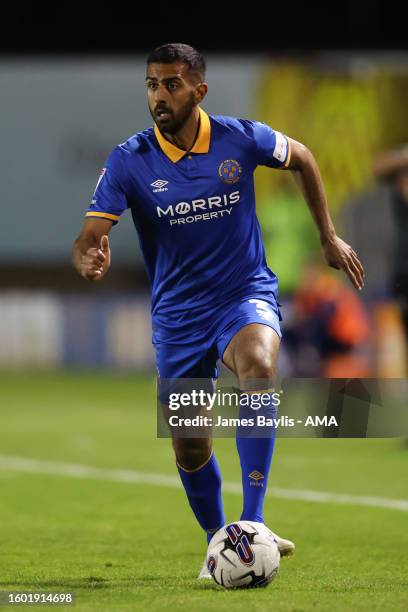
[159,185]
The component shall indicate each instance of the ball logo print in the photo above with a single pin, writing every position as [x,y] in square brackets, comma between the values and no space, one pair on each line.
[245,552]
[239,541]
[230,171]
[211,565]
[234,531]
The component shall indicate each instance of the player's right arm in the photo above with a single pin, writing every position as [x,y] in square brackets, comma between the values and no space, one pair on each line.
[91,254]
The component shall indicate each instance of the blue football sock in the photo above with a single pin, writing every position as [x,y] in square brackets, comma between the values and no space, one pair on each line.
[255,454]
[203,488]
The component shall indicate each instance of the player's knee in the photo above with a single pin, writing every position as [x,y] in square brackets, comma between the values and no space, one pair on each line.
[191,454]
[258,363]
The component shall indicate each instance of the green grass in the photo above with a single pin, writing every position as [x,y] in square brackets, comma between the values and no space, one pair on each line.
[136,547]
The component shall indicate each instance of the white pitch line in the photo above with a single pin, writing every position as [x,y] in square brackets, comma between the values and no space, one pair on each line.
[39,466]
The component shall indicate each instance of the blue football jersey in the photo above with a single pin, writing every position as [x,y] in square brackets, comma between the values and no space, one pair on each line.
[195,216]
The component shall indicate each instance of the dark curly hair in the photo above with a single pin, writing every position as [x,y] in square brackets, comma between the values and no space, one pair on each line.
[178,52]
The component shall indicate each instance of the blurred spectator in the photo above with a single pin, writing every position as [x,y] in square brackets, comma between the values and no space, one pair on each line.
[329,331]
[392,167]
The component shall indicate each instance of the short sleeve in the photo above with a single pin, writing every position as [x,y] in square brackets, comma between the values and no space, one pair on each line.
[109,200]
[273,148]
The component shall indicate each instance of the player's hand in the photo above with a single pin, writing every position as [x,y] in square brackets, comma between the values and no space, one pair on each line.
[96,261]
[341,256]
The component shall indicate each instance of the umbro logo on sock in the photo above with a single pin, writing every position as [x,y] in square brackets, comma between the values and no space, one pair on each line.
[256,477]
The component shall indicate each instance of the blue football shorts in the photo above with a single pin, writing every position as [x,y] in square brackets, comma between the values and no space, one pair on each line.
[198,359]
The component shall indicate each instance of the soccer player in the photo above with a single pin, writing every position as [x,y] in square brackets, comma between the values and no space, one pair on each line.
[188,182]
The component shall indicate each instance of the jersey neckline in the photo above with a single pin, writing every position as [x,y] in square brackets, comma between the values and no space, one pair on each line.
[201,145]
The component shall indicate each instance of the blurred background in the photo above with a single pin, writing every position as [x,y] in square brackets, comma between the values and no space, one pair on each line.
[62,116]
[72,87]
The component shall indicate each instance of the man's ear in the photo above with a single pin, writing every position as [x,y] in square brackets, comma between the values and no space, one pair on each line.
[201,91]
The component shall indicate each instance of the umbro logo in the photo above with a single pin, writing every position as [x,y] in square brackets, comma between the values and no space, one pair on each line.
[159,185]
[256,475]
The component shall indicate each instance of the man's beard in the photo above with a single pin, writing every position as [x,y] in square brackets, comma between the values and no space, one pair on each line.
[174,124]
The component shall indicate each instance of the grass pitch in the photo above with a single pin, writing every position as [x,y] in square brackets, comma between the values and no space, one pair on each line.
[127,546]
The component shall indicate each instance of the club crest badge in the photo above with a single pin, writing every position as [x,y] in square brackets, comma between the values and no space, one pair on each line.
[230,171]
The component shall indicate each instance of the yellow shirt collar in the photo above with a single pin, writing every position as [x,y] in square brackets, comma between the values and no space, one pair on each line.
[201,145]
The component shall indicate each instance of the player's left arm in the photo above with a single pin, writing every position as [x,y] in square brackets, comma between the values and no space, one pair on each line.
[338,253]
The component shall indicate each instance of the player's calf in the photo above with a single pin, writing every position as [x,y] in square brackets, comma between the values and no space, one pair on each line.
[201,477]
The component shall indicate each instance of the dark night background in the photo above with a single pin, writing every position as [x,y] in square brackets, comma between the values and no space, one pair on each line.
[94,27]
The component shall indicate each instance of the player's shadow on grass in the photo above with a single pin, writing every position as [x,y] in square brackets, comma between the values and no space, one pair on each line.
[93,582]
[89,582]
[205,585]
[96,583]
